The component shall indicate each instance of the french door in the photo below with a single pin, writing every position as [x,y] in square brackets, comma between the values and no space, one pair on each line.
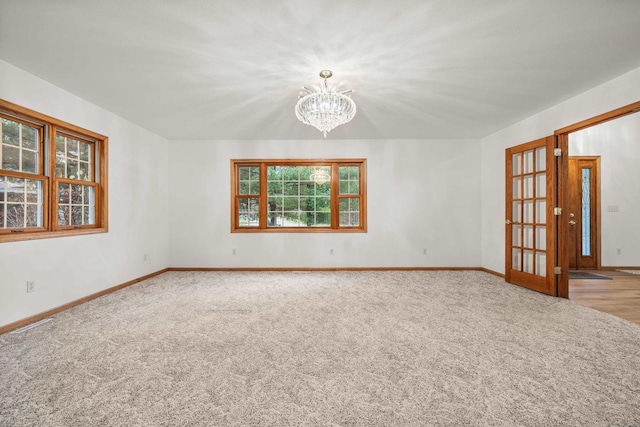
[530,222]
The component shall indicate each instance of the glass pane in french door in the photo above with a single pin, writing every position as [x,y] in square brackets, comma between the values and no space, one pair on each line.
[529,210]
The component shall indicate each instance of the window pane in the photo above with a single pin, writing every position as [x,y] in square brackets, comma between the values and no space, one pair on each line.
[541,211]
[63,215]
[254,187]
[29,161]
[10,158]
[350,212]
[323,189]
[527,261]
[528,236]
[20,202]
[85,152]
[517,211]
[516,235]
[244,173]
[305,173]
[528,211]
[290,204]
[76,204]
[33,191]
[541,158]
[541,185]
[349,179]
[10,132]
[528,161]
[586,212]
[15,215]
[291,188]
[323,219]
[298,196]
[517,188]
[64,191]
[73,159]
[307,204]
[15,189]
[528,186]
[84,171]
[290,173]
[244,188]
[72,148]
[541,237]
[541,264]
[516,259]
[76,194]
[274,188]
[76,215]
[323,203]
[61,158]
[248,212]
[29,137]
[349,173]
[255,173]
[516,161]
[72,169]
[61,168]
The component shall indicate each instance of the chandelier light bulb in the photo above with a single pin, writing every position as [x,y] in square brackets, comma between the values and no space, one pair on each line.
[325,107]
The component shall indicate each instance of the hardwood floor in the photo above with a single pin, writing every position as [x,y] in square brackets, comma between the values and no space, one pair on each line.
[619,297]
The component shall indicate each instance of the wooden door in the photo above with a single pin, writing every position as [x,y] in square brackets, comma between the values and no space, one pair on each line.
[530,223]
[583,212]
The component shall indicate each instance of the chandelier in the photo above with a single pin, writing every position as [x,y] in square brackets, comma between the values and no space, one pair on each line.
[320,176]
[325,107]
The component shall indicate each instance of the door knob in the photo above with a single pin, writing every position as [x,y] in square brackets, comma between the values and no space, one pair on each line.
[572,222]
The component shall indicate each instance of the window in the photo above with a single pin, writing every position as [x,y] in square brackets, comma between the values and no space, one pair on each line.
[53,177]
[298,195]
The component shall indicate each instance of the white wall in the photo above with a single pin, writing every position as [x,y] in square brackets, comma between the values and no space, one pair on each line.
[69,268]
[617,142]
[615,93]
[421,194]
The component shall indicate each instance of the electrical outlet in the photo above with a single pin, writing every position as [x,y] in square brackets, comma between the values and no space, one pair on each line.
[618,251]
[31,286]
[330,251]
[146,257]
[233,251]
[424,251]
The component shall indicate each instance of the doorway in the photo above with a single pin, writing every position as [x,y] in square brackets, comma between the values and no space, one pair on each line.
[584,213]
[619,215]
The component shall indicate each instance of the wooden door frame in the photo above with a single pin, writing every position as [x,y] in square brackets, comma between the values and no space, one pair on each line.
[562,230]
[598,207]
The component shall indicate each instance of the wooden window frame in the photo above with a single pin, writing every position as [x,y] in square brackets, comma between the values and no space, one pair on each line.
[335,226]
[49,128]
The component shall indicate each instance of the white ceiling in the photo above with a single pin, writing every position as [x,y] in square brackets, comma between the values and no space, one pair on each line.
[215,69]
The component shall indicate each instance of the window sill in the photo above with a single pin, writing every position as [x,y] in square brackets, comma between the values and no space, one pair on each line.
[298,230]
[36,235]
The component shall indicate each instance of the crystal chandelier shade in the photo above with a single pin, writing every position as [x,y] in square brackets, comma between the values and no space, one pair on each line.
[325,107]
[320,176]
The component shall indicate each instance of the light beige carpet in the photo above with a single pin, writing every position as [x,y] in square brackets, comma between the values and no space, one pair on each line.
[323,349]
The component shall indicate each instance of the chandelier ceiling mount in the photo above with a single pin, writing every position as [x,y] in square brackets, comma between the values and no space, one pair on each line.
[325,107]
